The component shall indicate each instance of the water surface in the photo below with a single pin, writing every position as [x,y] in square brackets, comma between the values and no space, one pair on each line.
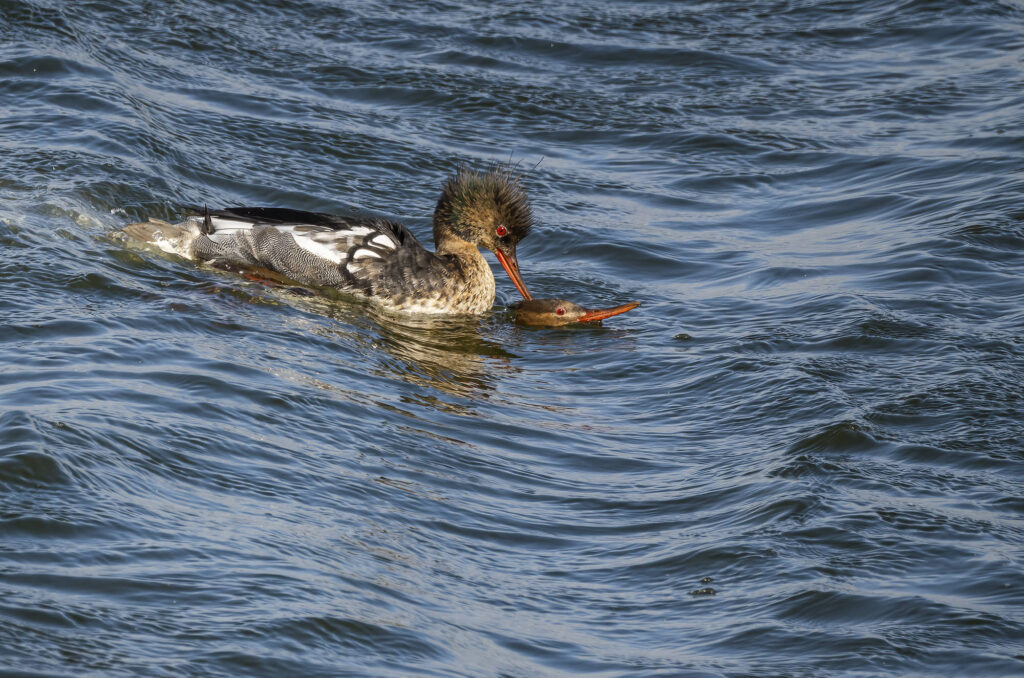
[801,457]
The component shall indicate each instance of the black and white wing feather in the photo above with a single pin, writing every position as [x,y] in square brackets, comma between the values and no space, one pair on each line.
[310,247]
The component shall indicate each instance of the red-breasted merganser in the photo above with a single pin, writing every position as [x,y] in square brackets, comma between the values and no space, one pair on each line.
[370,257]
[562,312]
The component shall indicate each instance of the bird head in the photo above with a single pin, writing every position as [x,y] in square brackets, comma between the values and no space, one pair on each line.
[488,209]
[562,312]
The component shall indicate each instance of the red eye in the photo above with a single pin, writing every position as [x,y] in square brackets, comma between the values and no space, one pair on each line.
[560,311]
[501,231]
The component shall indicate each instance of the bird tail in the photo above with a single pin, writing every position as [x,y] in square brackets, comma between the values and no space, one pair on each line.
[173,238]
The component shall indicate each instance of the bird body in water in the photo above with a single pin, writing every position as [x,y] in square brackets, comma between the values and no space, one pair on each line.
[561,312]
[373,257]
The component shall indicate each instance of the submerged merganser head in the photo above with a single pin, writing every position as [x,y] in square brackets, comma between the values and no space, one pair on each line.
[487,209]
[562,312]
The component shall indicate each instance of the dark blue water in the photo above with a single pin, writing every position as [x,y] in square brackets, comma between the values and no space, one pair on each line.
[803,456]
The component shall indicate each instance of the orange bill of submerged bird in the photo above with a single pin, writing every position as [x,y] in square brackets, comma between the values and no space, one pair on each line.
[371,257]
[562,312]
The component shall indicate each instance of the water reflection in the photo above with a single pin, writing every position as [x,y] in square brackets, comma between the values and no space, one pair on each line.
[453,354]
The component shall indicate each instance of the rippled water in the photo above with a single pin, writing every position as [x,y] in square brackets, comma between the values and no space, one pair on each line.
[801,457]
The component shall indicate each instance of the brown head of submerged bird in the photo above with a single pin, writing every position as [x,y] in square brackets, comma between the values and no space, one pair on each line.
[562,312]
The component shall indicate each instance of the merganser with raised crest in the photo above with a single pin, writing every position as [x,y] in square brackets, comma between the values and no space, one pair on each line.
[372,257]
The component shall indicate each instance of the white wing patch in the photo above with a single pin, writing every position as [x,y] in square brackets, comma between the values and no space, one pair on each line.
[332,245]
[225,228]
[335,245]
[351,232]
[319,246]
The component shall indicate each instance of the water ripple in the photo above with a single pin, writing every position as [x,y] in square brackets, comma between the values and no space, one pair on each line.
[800,456]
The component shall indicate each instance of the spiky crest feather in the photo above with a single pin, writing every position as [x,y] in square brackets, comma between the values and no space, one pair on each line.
[475,201]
